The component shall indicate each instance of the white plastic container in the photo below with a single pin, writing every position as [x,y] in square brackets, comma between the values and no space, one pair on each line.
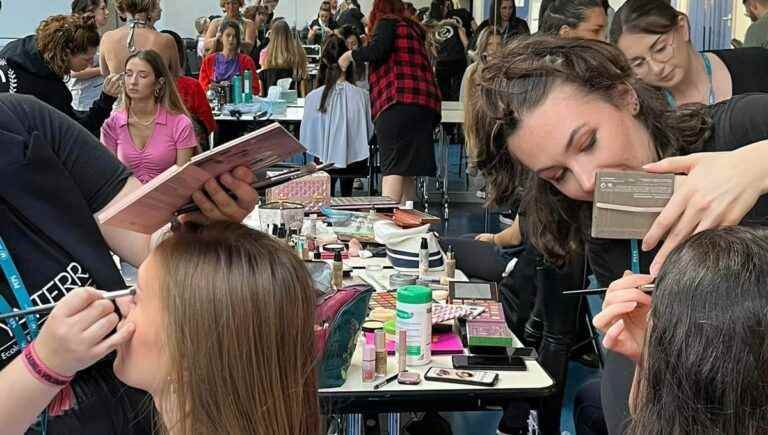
[414,315]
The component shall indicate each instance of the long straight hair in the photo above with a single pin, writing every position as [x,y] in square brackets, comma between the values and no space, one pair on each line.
[285,51]
[495,11]
[239,333]
[168,97]
[330,72]
[704,368]
[520,79]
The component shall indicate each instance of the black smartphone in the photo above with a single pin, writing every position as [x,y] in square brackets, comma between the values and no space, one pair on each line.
[489,362]
[469,377]
[524,352]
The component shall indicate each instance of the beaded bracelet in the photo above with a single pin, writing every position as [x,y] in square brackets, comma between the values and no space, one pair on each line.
[41,371]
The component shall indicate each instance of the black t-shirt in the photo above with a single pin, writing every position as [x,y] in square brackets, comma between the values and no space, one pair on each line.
[738,122]
[748,68]
[450,48]
[54,177]
[352,17]
[466,19]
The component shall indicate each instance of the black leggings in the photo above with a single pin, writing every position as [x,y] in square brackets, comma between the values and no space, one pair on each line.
[588,411]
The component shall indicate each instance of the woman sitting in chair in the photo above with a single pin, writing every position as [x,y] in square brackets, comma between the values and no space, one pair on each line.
[283,58]
[337,125]
[229,62]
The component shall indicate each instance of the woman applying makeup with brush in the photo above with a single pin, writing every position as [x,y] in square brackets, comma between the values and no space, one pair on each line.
[75,336]
[558,110]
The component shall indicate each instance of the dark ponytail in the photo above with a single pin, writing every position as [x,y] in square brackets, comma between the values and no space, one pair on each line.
[330,72]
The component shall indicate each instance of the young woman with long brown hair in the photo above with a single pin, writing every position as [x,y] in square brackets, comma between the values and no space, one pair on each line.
[222,65]
[560,109]
[405,99]
[336,125]
[151,130]
[224,335]
[284,52]
[232,12]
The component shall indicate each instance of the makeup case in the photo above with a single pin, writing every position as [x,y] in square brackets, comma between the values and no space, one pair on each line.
[339,317]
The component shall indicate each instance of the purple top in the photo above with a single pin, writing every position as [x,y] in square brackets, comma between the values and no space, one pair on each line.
[225,69]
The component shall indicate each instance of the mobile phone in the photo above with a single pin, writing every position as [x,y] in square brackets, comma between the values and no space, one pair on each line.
[469,377]
[524,352]
[489,362]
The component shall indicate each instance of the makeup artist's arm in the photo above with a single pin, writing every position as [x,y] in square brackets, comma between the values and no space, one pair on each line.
[75,336]
[511,236]
[624,318]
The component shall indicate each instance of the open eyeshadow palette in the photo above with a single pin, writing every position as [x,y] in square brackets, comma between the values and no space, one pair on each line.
[491,309]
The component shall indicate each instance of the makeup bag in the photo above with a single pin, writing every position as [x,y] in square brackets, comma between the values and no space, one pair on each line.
[339,318]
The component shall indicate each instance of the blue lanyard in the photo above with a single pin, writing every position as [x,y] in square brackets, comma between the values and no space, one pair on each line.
[711,97]
[634,256]
[22,297]
[13,323]
[18,287]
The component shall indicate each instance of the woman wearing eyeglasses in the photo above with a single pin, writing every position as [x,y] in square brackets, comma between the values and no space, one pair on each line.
[655,37]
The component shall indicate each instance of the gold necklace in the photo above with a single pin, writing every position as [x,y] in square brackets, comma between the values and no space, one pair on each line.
[144,123]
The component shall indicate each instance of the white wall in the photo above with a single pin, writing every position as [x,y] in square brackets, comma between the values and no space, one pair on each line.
[179,15]
[20,17]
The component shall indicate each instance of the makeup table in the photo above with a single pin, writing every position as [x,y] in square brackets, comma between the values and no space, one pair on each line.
[355,397]
[356,401]
[452,112]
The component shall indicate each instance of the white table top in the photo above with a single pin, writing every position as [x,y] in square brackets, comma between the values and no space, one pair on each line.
[452,113]
[535,378]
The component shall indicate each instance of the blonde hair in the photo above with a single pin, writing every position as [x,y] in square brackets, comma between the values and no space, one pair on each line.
[284,51]
[60,37]
[168,96]
[239,333]
[201,25]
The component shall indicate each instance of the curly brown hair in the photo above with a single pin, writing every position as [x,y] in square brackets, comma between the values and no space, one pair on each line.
[60,37]
[518,80]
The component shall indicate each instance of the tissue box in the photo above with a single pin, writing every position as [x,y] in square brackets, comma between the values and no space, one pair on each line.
[627,202]
[290,96]
[275,107]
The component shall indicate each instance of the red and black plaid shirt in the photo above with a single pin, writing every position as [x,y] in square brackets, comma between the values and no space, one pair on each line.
[406,77]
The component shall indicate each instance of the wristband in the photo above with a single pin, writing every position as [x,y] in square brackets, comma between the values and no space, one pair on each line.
[42,372]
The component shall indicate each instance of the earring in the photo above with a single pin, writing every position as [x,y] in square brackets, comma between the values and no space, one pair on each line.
[636,107]
[157,92]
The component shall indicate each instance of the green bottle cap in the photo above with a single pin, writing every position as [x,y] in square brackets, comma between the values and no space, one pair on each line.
[414,294]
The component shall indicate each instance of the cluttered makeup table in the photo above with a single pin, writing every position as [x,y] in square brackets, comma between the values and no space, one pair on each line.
[358,397]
